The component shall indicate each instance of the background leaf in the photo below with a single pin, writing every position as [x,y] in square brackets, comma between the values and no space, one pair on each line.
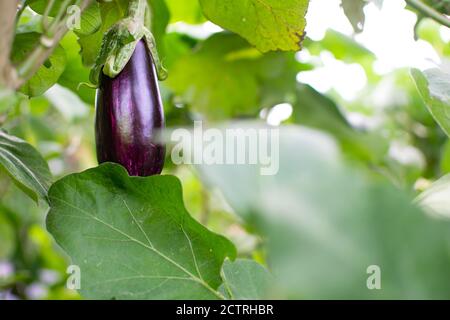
[269,25]
[25,166]
[354,10]
[433,86]
[48,74]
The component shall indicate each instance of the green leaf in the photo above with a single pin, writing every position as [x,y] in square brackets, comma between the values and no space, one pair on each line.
[133,238]
[7,237]
[433,85]
[25,166]
[188,11]
[110,13]
[160,20]
[91,20]
[8,99]
[69,104]
[39,6]
[75,72]
[342,47]
[226,77]
[326,223]
[268,25]
[245,280]
[48,74]
[212,84]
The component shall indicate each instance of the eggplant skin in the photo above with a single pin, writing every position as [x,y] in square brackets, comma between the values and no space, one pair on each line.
[129,115]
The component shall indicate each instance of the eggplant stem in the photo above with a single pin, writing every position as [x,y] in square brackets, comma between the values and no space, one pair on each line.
[136,10]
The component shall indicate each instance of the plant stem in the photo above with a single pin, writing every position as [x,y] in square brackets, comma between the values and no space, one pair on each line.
[429,12]
[48,8]
[36,58]
[136,10]
[8,13]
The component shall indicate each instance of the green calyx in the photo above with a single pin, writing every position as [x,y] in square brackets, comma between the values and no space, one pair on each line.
[120,41]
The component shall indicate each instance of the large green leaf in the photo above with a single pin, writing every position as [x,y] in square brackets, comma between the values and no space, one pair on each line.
[48,74]
[433,85]
[245,280]
[266,24]
[24,165]
[132,237]
[327,224]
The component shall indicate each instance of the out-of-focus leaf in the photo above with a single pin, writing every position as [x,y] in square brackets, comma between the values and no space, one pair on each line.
[354,10]
[7,237]
[25,166]
[91,20]
[29,22]
[433,85]
[436,198]
[110,13]
[67,102]
[8,99]
[326,224]
[159,22]
[315,110]
[212,84]
[245,280]
[188,11]
[429,30]
[133,238]
[48,74]
[268,25]
[39,6]
[179,45]
[226,77]
[76,73]
[342,47]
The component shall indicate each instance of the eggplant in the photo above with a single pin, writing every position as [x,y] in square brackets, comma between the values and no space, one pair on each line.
[129,116]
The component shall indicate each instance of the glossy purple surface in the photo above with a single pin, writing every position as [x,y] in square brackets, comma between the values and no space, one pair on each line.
[129,114]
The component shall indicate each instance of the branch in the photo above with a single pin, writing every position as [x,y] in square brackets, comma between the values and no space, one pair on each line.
[44,49]
[8,11]
[429,12]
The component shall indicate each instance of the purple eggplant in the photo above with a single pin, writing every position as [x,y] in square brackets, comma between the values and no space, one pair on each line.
[129,116]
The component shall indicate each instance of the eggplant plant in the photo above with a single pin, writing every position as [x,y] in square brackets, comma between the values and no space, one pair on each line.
[337,218]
